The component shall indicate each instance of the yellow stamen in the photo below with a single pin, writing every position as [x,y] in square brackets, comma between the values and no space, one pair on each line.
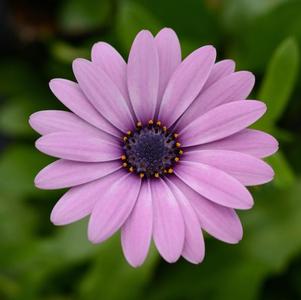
[165,171]
[123,157]
[177,159]
[129,132]
[124,164]
[176,135]
[170,170]
[131,169]
[159,123]
[141,175]
[125,138]
[157,175]
[150,122]
[181,152]
[139,124]
[164,128]
[178,144]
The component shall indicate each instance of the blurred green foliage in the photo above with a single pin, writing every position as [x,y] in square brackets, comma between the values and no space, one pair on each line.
[39,261]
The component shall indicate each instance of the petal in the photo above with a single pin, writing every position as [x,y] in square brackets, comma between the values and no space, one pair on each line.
[245,168]
[79,201]
[185,84]
[143,76]
[234,87]
[222,121]
[103,94]
[169,51]
[78,147]
[113,64]
[214,184]
[168,227]
[71,96]
[113,207]
[49,121]
[219,221]
[220,69]
[66,173]
[249,141]
[194,247]
[136,232]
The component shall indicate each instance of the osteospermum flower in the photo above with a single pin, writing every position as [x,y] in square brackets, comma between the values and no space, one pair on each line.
[158,147]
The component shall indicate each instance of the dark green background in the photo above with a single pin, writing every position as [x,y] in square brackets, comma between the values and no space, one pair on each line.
[39,40]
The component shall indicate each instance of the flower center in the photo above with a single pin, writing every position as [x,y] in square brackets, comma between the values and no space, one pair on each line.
[151,150]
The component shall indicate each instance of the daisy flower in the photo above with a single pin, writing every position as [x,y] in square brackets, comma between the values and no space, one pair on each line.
[157,147]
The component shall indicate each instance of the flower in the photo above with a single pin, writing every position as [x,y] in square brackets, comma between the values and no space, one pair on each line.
[158,147]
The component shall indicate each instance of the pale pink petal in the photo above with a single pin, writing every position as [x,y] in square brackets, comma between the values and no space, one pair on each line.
[79,201]
[78,147]
[234,87]
[194,247]
[136,232]
[220,69]
[219,221]
[143,76]
[103,94]
[169,51]
[69,93]
[249,141]
[214,184]
[67,173]
[248,169]
[168,227]
[113,207]
[222,121]
[186,83]
[49,121]
[113,64]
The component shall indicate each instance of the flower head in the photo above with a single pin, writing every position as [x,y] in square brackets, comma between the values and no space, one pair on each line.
[156,147]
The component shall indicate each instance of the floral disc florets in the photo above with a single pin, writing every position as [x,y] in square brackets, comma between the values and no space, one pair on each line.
[151,150]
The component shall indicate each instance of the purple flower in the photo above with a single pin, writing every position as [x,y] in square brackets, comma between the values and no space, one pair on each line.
[157,147]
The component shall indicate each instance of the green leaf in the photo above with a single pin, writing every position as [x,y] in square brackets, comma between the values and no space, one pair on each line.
[66,53]
[279,80]
[132,18]
[256,41]
[15,114]
[111,277]
[284,176]
[78,16]
[18,167]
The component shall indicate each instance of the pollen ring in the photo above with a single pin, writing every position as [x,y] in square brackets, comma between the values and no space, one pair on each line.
[151,150]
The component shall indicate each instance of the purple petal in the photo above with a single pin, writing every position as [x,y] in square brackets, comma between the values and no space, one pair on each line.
[113,64]
[245,168]
[249,141]
[136,232]
[220,69]
[49,121]
[194,247]
[113,207]
[168,227]
[185,84]
[214,184]
[219,221]
[71,96]
[143,76]
[79,201]
[169,51]
[78,147]
[222,121]
[67,173]
[103,93]
[234,87]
